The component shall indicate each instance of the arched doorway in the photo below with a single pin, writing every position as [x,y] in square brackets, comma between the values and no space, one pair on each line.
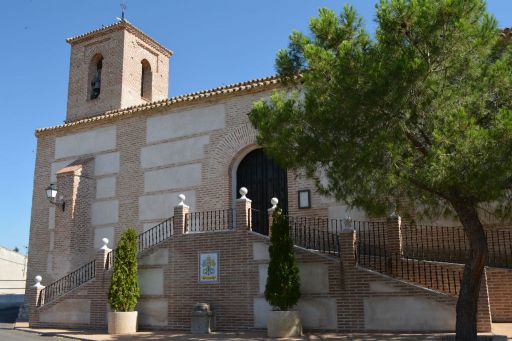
[264,179]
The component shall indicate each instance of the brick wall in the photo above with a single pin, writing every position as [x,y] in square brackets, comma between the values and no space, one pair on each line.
[500,291]
[235,296]
[123,50]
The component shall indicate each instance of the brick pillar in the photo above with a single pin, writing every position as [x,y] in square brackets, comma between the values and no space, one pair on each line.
[35,299]
[179,224]
[394,234]
[347,239]
[72,233]
[483,316]
[271,210]
[99,301]
[243,205]
[393,240]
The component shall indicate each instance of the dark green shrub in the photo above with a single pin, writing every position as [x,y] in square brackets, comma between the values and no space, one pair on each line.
[282,290]
[124,290]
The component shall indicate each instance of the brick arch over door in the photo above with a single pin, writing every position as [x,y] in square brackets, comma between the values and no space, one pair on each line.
[230,146]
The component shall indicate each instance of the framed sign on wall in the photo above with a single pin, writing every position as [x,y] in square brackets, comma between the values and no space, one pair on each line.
[305,199]
[208,267]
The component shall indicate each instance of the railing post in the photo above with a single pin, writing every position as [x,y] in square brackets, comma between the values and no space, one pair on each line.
[274,202]
[242,214]
[180,215]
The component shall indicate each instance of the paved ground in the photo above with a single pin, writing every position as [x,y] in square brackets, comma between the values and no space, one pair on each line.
[35,334]
[9,334]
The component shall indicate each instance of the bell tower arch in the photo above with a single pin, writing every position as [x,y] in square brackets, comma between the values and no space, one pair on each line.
[115,67]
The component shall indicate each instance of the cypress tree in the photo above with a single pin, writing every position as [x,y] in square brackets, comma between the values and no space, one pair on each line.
[124,289]
[282,290]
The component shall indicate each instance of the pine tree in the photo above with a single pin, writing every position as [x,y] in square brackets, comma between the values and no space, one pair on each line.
[419,113]
[282,290]
[124,290]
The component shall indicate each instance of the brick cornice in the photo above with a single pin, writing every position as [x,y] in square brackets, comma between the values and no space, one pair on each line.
[259,84]
[123,24]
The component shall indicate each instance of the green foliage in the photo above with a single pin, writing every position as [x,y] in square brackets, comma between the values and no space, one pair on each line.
[124,290]
[282,290]
[420,114]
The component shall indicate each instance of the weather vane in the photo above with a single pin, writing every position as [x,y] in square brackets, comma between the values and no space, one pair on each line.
[123,8]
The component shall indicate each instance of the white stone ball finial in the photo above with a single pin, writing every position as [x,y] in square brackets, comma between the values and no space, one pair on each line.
[181,200]
[347,222]
[105,244]
[243,192]
[274,202]
[38,285]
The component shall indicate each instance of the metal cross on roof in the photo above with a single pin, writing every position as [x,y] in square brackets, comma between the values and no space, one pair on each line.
[123,8]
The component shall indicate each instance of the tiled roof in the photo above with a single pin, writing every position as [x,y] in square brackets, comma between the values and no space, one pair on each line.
[228,89]
[507,32]
[122,24]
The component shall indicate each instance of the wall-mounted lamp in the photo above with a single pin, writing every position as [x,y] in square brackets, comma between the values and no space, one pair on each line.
[51,194]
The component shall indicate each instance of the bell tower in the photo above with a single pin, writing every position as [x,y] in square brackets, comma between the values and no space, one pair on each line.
[114,67]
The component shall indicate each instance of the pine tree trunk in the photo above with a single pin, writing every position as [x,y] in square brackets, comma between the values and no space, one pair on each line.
[467,304]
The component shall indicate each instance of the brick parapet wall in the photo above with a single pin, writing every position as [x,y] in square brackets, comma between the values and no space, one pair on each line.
[500,294]
[440,276]
[94,290]
[234,296]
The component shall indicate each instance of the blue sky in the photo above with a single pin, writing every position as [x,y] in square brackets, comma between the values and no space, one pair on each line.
[215,43]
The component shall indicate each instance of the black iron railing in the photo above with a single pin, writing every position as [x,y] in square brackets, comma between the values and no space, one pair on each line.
[450,244]
[309,233]
[499,243]
[67,283]
[371,253]
[210,220]
[435,243]
[257,221]
[323,224]
[155,235]
[312,237]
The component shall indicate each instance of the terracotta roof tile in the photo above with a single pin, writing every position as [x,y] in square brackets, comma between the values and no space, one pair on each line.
[507,33]
[122,24]
[191,97]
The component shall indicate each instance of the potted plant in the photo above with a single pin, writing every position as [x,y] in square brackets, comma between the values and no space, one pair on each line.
[124,289]
[282,290]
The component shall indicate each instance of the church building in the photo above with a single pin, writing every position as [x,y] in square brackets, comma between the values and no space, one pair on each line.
[187,173]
